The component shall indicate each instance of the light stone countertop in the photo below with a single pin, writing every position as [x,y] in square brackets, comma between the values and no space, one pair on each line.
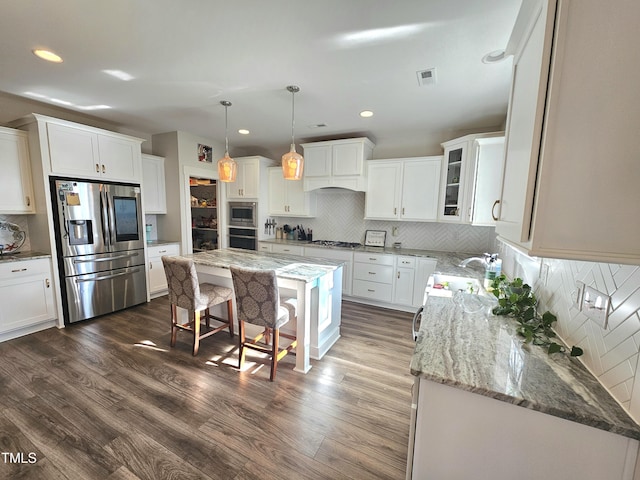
[483,354]
[292,267]
[20,256]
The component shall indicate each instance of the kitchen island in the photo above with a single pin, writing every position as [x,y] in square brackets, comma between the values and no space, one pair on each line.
[316,285]
[488,406]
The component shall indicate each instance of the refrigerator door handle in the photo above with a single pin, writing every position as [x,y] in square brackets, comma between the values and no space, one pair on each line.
[106,277]
[104,218]
[107,259]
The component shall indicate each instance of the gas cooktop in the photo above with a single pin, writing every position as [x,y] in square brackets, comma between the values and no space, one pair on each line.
[334,243]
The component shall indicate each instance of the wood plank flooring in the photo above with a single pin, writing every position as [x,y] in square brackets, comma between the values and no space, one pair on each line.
[109,399]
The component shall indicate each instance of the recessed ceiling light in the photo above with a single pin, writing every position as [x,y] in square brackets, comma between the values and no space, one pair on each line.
[494,57]
[366,113]
[244,131]
[47,55]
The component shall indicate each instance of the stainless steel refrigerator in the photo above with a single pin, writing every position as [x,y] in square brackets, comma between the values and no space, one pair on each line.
[100,243]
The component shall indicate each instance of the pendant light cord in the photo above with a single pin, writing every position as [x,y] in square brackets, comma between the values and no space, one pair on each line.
[226,131]
[293,118]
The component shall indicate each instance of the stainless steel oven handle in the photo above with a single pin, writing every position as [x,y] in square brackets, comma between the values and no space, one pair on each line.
[242,236]
[119,257]
[106,277]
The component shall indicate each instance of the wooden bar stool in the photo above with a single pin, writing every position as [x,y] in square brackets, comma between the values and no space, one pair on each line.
[258,302]
[186,292]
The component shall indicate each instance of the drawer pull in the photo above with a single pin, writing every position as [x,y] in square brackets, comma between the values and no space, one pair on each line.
[370,290]
[19,270]
[162,251]
[373,258]
[372,273]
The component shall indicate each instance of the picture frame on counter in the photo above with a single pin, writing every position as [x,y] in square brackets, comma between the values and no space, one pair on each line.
[375,238]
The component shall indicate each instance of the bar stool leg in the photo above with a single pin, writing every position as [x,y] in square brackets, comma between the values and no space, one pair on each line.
[174,328]
[274,353]
[196,332]
[241,343]
[230,316]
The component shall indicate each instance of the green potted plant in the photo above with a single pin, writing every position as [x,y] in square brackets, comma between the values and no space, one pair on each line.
[517,300]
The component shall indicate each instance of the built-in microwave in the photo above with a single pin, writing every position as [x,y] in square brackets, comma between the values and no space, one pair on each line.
[242,214]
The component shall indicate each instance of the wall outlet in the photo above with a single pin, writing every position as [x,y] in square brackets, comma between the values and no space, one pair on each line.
[577,295]
[394,231]
[544,272]
[595,305]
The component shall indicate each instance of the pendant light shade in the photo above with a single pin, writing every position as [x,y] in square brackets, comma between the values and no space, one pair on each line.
[227,166]
[292,161]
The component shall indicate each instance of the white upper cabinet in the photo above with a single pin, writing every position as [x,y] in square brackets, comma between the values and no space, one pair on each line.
[570,187]
[15,182]
[337,163]
[471,178]
[287,197]
[153,184]
[87,152]
[403,189]
[247,179]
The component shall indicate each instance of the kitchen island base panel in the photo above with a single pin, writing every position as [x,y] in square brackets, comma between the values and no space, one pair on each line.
[461,435]
[318,310]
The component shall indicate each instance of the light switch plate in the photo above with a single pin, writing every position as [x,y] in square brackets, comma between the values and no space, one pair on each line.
[595,305]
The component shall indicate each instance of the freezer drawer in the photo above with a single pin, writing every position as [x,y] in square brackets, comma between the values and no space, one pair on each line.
[89,296]
[102,262]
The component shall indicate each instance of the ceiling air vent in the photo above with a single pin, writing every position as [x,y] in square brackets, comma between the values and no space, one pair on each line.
[426,77]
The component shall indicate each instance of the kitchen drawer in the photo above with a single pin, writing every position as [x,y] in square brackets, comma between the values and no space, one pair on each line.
[288,249]
[264,247]
[24,268]
[404,261]
[374,290]
[170,249]
[379,259]
[373,272]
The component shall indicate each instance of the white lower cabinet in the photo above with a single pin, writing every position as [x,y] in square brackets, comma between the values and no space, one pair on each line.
[405,279]
[424,269]
[26,296]
[156,278]
[457,434]
[373,276]
[288,249]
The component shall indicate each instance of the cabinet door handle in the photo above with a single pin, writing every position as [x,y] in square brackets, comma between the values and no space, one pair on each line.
[150,265]
[47,283]
[402,210]
[493,215]
[28,201]
[97,168]
[398,274]
[395,210]
[104,170]
[19,270]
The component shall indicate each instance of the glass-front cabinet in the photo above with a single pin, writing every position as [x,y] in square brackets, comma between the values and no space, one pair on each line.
[452,183]
[204,214]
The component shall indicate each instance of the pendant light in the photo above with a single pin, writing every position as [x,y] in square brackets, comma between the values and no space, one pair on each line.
[292,161]
[227,166]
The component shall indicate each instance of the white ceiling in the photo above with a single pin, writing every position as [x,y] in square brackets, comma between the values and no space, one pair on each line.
[188,55]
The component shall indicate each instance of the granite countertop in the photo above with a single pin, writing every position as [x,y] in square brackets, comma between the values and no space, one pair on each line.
[447,261]
[157,243]
[19,256]
[483,354]
[292,267]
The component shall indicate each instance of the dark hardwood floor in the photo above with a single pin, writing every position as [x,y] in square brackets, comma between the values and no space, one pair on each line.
[109,399]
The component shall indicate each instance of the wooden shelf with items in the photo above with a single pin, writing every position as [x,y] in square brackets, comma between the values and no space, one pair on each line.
[204,214]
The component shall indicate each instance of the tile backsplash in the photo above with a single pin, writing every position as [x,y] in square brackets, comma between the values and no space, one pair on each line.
[611,353]
[340,216]
[21,221]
